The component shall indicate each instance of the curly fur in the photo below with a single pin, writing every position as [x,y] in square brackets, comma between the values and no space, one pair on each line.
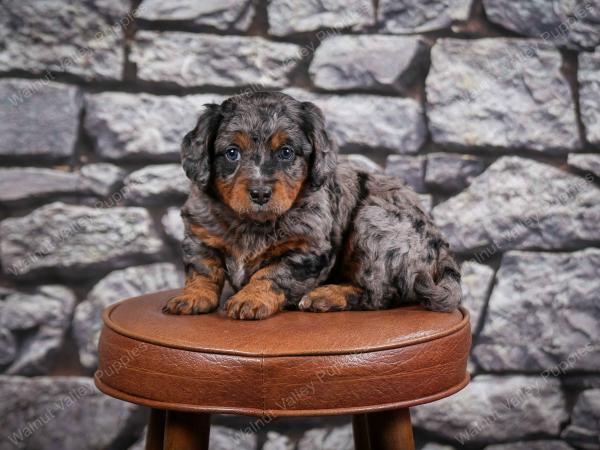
[331,237]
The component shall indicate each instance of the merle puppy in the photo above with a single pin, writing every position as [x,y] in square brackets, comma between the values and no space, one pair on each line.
[271,211]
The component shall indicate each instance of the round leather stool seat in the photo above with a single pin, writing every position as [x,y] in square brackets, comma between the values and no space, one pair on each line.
[291,364]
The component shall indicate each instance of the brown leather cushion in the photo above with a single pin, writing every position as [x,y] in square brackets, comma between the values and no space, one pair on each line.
[292,364]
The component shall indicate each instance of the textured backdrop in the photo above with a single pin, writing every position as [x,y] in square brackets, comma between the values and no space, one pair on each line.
[489,109]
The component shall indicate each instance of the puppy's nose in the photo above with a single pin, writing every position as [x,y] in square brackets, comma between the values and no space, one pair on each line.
[260,195]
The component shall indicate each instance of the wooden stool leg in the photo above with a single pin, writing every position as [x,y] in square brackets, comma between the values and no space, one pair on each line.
[156,430]
[391,430]
[360,430]
[186,431]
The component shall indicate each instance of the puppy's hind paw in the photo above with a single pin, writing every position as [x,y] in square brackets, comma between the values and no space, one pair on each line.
[330,298]
[187,305]
[319,304]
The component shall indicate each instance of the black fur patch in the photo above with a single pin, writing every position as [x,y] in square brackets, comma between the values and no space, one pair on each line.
[418,224]
[353,300]
[309,267]
[436,243]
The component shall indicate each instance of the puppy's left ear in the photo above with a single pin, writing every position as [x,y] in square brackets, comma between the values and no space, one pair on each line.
[324,154]
[197,145]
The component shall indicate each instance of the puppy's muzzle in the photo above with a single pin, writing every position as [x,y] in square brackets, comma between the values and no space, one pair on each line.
[260,195]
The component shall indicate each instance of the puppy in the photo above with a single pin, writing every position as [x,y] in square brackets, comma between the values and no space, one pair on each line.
[272,212]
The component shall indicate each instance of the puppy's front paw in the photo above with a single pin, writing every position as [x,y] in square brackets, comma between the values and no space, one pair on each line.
[249,307]
[189,304]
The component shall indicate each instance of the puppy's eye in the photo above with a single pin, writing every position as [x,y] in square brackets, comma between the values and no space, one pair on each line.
[286,153]
[232,154]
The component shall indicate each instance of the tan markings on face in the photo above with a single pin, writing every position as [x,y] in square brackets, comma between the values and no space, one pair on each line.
[234,190]
[235,194]
[285,192]
[242,140]
[278,139]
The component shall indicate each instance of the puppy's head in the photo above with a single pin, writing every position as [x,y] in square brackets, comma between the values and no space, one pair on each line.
[257,152]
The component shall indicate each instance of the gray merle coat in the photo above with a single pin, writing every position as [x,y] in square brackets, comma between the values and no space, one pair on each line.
[271,211]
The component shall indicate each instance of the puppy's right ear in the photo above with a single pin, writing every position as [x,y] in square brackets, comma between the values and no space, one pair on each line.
[197,146]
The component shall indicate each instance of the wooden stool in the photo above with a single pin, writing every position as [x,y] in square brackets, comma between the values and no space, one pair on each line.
[373,365]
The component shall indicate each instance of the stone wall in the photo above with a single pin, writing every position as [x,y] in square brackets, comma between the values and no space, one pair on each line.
[489,109]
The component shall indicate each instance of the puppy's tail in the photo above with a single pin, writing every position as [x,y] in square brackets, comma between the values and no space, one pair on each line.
[443,293]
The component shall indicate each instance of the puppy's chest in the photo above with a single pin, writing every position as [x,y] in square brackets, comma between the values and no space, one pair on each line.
[242,263]
[237,272]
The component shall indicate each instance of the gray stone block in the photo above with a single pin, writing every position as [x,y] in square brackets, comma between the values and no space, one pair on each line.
[495,409]
[288,16]
[221,14]
[588,162]
[589,94]
[542,314]
[426,201]
[434,446]
[46,316]
[153,185]
[450,172]
[327,439]
[476,282]
[413,16]
[410,169]
[8,347]
[360,162]
[38,119]
[23,185]
[583,431]
[133,127]
[31,183]
[519,99]
[276,441]
[101,178]
[67,413]
[564,22]
[223,438]
[173,224]
[76,241]
[359,122]
[83,38]
[191,59]
[373,62]
[521,204]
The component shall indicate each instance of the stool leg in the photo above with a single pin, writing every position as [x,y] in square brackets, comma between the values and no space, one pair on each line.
[156,430]
[360,430]
[391,430]
[186,431]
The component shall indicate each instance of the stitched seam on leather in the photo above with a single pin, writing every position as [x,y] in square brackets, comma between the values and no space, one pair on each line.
[132,398]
